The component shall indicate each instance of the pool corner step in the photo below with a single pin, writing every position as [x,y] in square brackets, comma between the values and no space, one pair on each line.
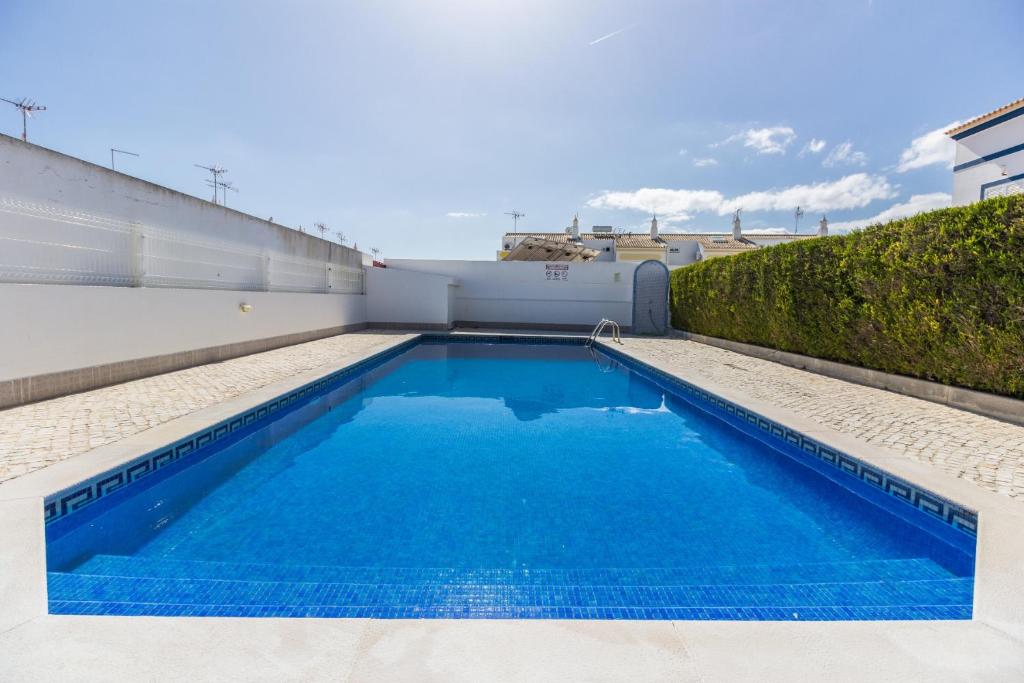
[72,593]
[823,572]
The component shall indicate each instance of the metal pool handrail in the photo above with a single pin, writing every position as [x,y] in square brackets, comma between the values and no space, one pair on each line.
[599,328]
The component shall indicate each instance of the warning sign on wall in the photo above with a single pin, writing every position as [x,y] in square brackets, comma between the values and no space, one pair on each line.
[556,271]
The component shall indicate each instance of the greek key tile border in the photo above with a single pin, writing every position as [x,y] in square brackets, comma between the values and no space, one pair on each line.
[938,507]
[72,499]
[59,505]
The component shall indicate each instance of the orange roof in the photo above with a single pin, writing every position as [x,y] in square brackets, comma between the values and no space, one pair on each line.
[643,240]
[1006,108]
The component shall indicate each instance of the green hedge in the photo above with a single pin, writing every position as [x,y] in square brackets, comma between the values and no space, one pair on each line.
[938,296]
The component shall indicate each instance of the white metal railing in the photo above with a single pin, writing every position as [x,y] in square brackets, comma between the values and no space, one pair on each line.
[600,327]
[55,245]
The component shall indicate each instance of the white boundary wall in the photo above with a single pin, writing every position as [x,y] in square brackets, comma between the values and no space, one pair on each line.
[397,298]
[51,328]
[529,293]
[66,221]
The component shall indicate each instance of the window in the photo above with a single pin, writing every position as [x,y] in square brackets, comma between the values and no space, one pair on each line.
[1004,189]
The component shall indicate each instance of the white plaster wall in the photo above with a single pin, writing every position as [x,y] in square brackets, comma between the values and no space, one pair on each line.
[50,328]
[967,183]
[398,296]
[686,254]
[42,177]
[520,293]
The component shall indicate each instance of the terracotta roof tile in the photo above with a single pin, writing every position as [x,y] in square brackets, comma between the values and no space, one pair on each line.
[1006,108]
[633,240]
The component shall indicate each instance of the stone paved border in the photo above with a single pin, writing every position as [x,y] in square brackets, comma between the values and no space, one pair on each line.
[39,434]
[987,452]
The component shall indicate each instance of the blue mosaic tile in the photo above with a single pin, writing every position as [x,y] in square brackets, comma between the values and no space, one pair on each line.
[900,588]
[957,516]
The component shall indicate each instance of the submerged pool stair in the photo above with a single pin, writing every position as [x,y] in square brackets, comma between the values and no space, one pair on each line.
[884,589]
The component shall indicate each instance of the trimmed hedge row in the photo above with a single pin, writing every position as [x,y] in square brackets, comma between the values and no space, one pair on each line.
[939,296]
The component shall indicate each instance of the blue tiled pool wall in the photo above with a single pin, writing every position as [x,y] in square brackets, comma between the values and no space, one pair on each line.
[73,500]
[571,596]
[919,506]
[111,486]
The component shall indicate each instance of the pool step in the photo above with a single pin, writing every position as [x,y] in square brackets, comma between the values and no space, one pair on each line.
[80,593]
[825,572]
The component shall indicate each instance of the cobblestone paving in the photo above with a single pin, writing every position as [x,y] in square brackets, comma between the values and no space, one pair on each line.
[39,434]
[987,452]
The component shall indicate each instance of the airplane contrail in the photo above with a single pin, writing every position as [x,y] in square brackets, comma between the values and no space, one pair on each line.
[611,35]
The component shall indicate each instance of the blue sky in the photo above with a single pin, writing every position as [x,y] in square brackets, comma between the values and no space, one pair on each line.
[413,126]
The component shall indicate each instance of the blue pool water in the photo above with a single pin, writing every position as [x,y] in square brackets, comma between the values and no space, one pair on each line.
[504,480]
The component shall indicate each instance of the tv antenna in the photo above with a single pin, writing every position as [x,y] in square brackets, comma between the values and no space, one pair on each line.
[376,252]
[224,187]
[26,107]
[797,215]
[216,172]
[341,237]
[119,151]
[516,215]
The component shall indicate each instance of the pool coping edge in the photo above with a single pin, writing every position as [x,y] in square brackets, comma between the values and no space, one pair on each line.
[998,542]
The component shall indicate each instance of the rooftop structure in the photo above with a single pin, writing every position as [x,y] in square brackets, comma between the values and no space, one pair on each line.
[673,249]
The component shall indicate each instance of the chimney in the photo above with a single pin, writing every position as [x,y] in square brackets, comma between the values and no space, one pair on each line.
[823,227]
[736,232]
[576,227]
[654,227]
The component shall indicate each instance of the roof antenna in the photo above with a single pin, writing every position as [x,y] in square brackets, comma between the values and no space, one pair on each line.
[516,215]
[225,186]
[26,107]
[217,172]
[119,151]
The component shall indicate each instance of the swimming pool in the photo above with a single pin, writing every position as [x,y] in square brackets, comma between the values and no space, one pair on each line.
[459,477]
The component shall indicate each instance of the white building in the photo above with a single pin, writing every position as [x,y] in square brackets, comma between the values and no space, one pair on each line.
[674,249]
[989,155]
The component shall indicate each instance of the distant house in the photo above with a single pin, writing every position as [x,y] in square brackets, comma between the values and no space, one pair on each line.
[673,249]
[989,155]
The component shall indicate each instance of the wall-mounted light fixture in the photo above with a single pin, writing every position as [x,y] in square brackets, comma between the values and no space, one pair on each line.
[245,308]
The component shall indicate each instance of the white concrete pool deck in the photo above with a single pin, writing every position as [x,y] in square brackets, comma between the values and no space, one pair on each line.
[878,427]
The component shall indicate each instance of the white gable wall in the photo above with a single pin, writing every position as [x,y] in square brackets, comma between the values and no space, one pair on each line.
[972,149]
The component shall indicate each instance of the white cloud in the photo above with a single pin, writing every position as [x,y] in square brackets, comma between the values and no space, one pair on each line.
[934,147]
[683,152]
[772,140]
[660,201]
[851,192]
[767,231]
[464,214]
[916,204]
[844,155]
[813,147]
[701,163]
